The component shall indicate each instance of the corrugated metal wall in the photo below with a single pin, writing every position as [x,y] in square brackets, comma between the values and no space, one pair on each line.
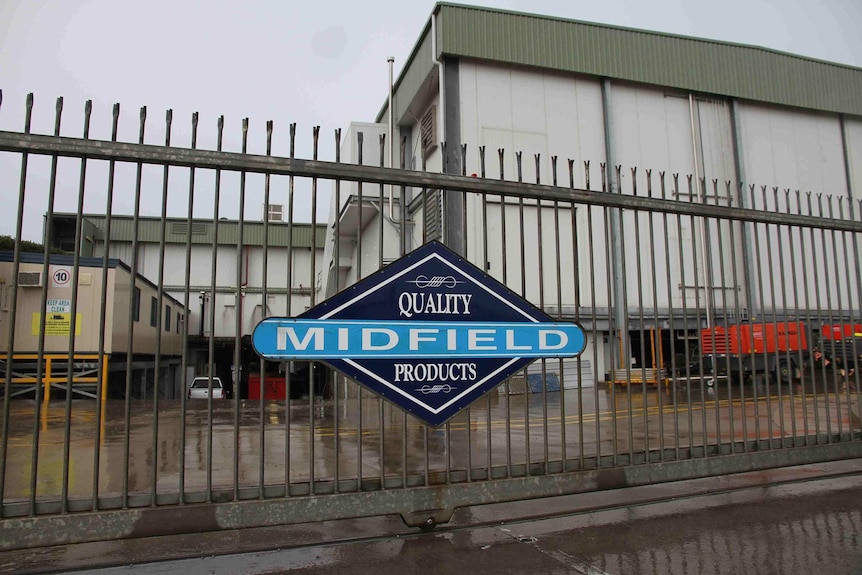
[745,72]
[150,230]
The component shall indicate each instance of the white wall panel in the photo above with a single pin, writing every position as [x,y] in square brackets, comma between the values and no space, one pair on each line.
[853,133]
[792,149]
[531,112]
[797,150]
[654,132]
[520,110]
[650,130]
[714,130]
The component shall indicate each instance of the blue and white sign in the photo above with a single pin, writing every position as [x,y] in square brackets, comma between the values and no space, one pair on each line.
[430,332]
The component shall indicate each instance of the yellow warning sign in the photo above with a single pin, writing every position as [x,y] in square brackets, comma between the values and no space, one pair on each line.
[55,323]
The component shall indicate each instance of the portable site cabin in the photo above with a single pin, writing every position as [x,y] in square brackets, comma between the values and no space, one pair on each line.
[122,324]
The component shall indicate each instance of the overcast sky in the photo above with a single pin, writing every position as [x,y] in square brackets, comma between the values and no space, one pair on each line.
[314,63]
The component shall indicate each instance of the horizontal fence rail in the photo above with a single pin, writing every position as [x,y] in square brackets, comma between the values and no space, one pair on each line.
[248,163]
[722,322]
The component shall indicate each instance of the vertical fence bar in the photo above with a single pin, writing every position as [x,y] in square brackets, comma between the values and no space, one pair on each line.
[381,427]
[655,338]
[336,250]
[803,358]
[486,267]
[810,317]
[624,331]
[693,194]
[596,403]
[771,358]
[445,235]
[505,279]
[854,314]
[722,274]
[159,316]
[40,356]
[658,339]
[134,315]
[843,365]
[101,395]
[671,318]
[10,343]
[402,198]
[239,299]
[850,379]
[827,238]
[523,270]
[291,190]
[761,308]
[10,358]
[264,313]
[312,366]
[710,289]
[187,278]
[70,356]
[576,284]
[6,390]
[540,255]
[614,330]
[741,227]
[685,319]
[827,380]
[558,271]
[468,411]
[857,269]
[636,216]
[709,310]
[359,430]
[211,308]
[787,357]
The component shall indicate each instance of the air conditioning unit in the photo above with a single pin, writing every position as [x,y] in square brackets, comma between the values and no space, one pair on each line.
[30,279]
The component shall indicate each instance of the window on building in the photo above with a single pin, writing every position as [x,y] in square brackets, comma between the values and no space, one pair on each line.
[154,311]
[167,318]
[180,320]
[136,304]
[275,212]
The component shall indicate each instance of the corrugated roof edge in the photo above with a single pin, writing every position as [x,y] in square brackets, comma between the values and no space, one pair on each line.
[248,224]
[61,260]
[65,260]
[642,31]
[842,108]
[413,52]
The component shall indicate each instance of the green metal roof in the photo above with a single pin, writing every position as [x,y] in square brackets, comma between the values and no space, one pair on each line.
[692,64]
[149,231]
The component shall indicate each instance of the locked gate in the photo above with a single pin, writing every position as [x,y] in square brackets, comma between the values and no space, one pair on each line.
[170,255]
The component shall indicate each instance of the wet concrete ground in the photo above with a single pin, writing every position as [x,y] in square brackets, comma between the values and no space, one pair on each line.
[170,448]
[794,521]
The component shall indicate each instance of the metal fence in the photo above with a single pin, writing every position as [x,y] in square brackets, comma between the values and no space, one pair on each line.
[644,269]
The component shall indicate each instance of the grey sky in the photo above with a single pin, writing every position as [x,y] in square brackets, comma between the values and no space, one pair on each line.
[314,63]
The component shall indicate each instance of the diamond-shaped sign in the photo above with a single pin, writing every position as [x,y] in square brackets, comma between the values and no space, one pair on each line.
[430,332]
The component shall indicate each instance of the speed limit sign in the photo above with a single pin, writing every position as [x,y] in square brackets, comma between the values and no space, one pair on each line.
[61,277]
